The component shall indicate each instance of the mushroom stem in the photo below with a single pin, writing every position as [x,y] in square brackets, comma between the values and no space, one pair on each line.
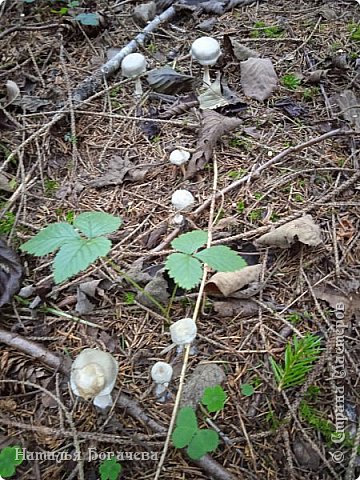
[183,170]
[206,77]
[138,87]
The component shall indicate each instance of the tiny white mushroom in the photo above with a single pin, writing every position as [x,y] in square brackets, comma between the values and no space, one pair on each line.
[182,199]
[93,376]
[161,373]
[133,66]
[179,158]
[206,50]
[183,331]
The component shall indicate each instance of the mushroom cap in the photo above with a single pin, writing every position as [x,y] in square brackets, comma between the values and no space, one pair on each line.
[93,373]
[179,157]
[133,65]
[161,372]
[183,331]
[206,50]
[182,199]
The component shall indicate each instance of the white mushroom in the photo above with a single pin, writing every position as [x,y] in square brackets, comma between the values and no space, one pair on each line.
[182,199]
[178,220]
[183,331]
[161,373]
[179,158]
[133,66]
[93,376]
[206,50]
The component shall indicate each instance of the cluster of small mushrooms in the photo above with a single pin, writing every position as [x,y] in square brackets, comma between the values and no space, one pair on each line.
[94,372]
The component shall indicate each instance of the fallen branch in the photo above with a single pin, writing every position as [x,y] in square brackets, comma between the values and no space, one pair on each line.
[58,362]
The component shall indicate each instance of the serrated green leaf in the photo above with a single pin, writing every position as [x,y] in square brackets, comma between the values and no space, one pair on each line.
[49,239]
[110,469]
[221,258]
[184,269]
[186,427]
[10,458]
[214,398]
[91,19]
[190,242]
[77,255]
[94,224]
[204,441]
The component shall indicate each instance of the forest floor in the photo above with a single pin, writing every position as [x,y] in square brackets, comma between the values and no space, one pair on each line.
[296,153]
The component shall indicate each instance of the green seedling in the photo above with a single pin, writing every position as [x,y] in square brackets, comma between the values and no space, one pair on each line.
[7,223]
[198,441]
[79,244]
[214,398]
[186,265]
[129,298]
[291,81]
[247,389]
[240,206]
[354,29]
[255,215]
[50,186]
[300,356]
[236,174]
[9,460]
[263,30]
[110,469]
[310,93]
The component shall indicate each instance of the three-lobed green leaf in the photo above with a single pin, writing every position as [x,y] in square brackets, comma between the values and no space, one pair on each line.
[76,252]
[221,258]
[185,266]
[190,242]
[186,427]
[50,239]
[110,469]
[198,441]
[184,269]
[214,398]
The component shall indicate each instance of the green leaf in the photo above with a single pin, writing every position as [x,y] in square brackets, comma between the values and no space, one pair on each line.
[88,19]
[75,256]
[186,427]
[247,389]
[94,224]
[10,458]
[49,239]
[214,398]
[221,258]
[204,441]
[190,242]
[110,469]
[184,269]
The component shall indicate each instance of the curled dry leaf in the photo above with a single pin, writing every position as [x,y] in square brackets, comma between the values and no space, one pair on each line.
[302,229]
[258,78]
[157,288]
[348,104]
[213,97]
[10,273]
[118,171]
[167,80]
[12,92]
[213,127]
[227,283]
[349,303]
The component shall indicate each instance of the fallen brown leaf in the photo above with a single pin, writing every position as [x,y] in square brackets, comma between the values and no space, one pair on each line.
[302,229]
[258,78]
[227,283]
[213,127]
[118,171]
